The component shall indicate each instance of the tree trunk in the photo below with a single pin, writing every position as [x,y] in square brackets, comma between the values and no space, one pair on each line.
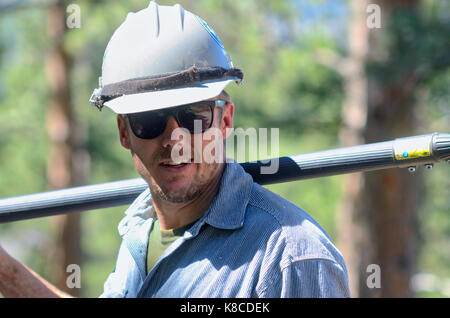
[378,214]
[354,114]
[65,164]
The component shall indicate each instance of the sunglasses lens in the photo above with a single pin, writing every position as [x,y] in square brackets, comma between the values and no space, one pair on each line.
[148,125]
[199,112]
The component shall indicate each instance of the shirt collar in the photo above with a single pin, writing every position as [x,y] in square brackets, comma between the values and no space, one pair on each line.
[227,210]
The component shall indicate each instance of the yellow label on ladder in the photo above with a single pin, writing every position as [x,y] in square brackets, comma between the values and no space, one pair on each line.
[412,148]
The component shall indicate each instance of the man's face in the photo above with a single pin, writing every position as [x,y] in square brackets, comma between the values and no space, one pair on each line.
[153,157]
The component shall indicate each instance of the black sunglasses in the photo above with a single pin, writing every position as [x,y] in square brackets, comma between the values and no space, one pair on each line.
[151,124]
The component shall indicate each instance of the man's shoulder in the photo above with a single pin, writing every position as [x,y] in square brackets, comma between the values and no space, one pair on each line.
[293,228]
[281,210]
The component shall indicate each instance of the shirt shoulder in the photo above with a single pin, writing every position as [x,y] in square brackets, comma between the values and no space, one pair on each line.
[300,260]
[295,232]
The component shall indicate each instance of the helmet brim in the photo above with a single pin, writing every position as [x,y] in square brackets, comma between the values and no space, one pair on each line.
[148,101]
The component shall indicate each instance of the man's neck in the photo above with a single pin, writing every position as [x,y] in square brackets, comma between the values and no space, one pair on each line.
[175,215]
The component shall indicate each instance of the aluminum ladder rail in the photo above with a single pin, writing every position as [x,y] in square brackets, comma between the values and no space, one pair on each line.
[402,152]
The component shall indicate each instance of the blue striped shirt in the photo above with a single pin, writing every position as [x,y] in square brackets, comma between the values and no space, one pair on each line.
[249,243]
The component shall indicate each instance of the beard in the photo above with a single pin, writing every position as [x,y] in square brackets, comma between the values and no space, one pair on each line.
[182,196]
[198,185]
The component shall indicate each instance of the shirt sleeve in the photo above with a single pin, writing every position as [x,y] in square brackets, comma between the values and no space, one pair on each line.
[314,278]
[123,281]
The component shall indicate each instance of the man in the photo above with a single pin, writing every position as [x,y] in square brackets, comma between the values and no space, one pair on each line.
[203,228]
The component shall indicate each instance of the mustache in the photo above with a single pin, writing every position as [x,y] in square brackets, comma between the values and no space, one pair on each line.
[166,153]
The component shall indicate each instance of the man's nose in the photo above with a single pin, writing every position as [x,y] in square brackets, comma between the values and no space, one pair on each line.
[171,125]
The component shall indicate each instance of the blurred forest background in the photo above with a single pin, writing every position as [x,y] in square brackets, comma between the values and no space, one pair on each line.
[318,70]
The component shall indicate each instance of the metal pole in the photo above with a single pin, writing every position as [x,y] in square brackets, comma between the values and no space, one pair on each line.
[403,152]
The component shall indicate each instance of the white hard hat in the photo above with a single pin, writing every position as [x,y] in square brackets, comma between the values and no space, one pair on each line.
[162,56]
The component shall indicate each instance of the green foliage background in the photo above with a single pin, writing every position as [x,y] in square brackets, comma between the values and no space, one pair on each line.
[274,42]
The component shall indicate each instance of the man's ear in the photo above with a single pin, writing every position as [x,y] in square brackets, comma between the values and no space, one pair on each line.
[226,123]
[123,132]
